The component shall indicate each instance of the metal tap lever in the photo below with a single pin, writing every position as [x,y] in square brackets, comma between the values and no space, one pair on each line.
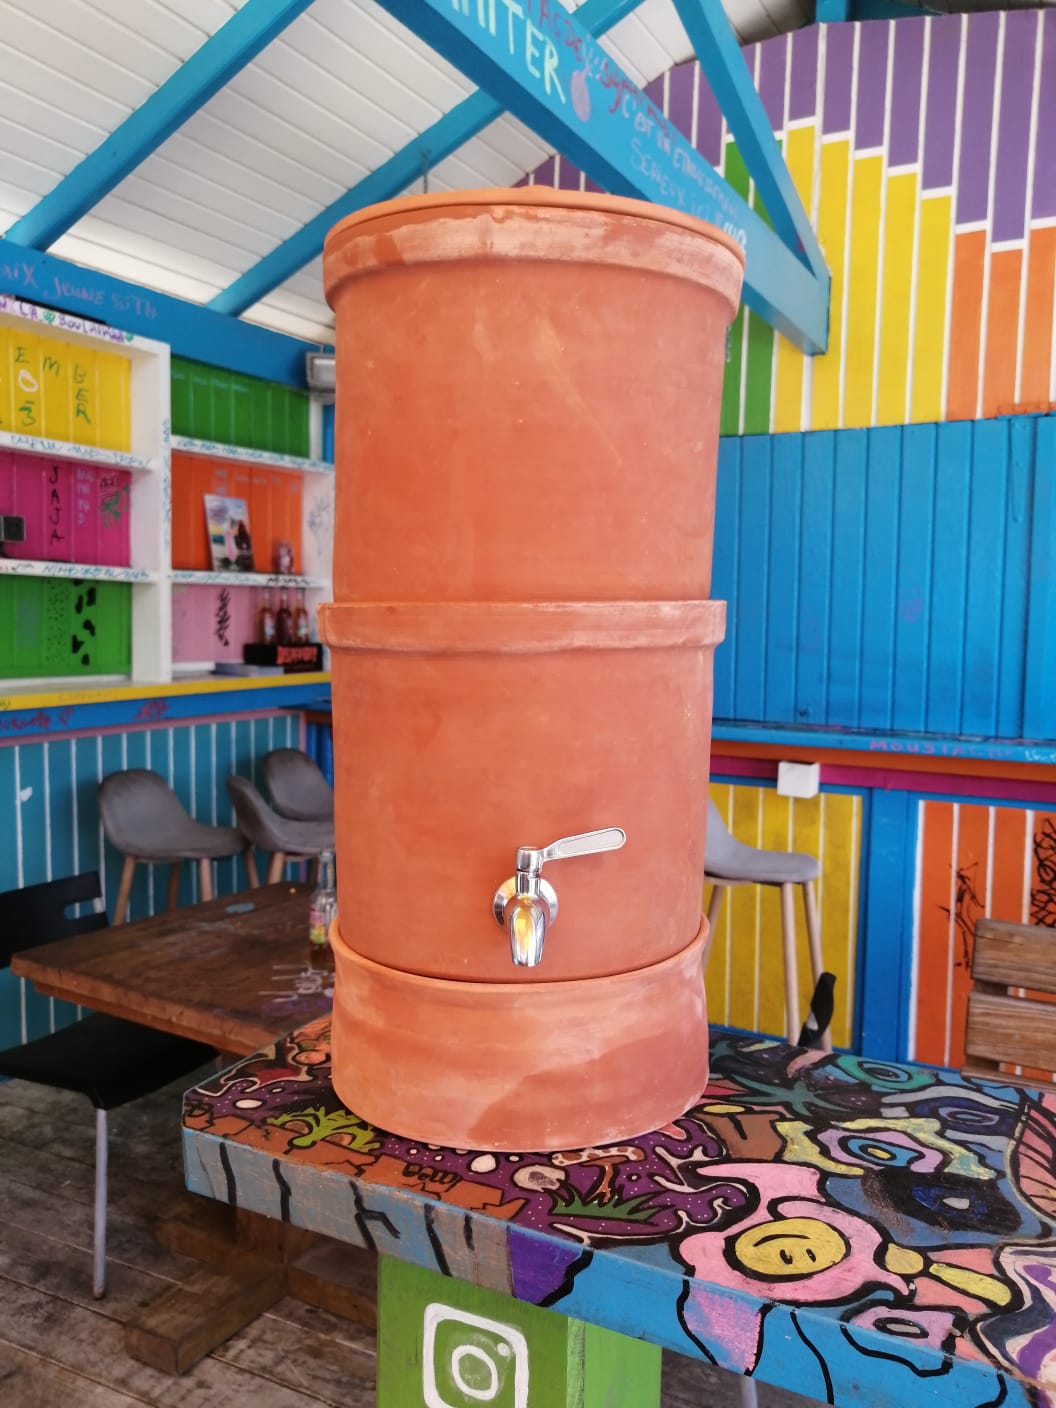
[525,905]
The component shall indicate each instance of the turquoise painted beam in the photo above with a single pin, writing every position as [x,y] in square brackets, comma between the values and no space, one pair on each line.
[215,63]
[191,331]
[723,62]
[540,63]
[421,154]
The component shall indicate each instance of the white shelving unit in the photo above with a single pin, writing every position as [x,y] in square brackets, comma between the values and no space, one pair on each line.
[150,572]
[147,460]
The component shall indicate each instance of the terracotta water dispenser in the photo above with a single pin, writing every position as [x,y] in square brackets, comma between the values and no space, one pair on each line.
[527,424]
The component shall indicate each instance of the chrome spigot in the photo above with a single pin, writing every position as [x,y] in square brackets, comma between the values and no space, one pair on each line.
[526,905]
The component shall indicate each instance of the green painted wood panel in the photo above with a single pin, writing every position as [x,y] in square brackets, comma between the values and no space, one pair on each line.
[52,626]
[211,404]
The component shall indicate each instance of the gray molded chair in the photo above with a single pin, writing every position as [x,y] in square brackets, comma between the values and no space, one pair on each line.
[297,786]
[728,861]
[261,826]
[146,821]
[107,1059]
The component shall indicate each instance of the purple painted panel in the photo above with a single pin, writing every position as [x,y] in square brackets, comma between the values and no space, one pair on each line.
[839,72]
[772,56]
[1010,175]
[568,174]
[940,123]
[803,85]
[1044,205]
[709,124]
[873,58]
[680,99]
[904,145]
[544,172]
[977,111]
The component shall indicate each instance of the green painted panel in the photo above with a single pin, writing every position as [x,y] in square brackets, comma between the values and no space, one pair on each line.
[52,626]
[211,404]
[443,1343]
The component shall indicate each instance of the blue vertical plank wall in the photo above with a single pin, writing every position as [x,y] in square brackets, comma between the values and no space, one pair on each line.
[896,579]
[49,788]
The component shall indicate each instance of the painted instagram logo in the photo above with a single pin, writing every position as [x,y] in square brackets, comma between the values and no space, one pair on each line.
[468,1360]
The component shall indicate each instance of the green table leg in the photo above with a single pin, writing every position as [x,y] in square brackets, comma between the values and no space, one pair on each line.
[445,1344]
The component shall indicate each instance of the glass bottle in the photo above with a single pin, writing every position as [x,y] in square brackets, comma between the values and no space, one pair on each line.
[323,906]
[301,623]
[284,620]
[266,623]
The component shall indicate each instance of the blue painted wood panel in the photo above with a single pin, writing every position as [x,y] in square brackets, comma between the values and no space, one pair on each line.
[49,790]
[894,579]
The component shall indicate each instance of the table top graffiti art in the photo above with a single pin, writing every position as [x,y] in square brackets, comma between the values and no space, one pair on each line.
[853,1230]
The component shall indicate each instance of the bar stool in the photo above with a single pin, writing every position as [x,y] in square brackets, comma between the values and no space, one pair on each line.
[297,786]
[728,861]
[286,839]
[145,820]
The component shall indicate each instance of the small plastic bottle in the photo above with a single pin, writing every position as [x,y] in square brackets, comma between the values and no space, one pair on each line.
[266,624]
[323,907]
[284,620]
[301,623]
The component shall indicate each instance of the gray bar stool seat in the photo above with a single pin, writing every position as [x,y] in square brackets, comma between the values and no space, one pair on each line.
[263,827]
[728,861]
[297,786]
[145,820]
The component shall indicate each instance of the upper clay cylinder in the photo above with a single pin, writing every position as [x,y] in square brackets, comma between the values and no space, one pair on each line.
[528,405]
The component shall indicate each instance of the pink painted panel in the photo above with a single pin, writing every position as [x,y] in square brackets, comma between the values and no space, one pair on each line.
[212,622]
[73,512]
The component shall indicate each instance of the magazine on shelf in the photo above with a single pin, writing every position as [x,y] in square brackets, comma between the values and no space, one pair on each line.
[227,523]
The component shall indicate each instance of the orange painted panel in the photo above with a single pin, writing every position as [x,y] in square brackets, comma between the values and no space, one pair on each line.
[1036,383]
[1043,870]
[1002,332]
[969,252]
[972,868]
[1011,835]
[933,954]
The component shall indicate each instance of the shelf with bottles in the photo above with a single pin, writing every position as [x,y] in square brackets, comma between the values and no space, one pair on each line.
[84,463]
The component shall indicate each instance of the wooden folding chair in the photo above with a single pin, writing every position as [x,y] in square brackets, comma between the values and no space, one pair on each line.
[1007,1027]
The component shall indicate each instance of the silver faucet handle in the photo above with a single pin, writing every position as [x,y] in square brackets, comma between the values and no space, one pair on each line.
[587,843]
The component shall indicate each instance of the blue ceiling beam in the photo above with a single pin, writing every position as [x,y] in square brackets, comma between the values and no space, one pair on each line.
[191,330]
[719,54]
[540,63]
[409,164]
[208,69]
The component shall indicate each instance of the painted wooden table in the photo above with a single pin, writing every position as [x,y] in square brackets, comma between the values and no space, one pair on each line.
[232,972]
[859,1232]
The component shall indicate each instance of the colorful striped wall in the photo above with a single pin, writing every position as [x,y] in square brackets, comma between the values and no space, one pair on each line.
[972,860]
[49,787]
[922,151]
[746,970]
[893,579]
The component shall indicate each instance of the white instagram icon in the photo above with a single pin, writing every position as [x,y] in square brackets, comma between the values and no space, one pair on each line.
[480,1360]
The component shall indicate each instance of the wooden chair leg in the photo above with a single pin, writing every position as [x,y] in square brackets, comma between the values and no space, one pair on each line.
[714,906]
[793,1017]
[276,866]
[205,878]
[174,885]
[252,873]
[817,962]
[124,890]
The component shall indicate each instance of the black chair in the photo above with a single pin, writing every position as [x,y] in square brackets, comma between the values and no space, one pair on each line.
[109,1060]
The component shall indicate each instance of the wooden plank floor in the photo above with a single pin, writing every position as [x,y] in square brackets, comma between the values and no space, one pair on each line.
[61,1349]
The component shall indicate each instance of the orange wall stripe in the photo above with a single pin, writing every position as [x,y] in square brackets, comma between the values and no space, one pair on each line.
[932,946]
[1035,386]
[1002,332]
[969,252]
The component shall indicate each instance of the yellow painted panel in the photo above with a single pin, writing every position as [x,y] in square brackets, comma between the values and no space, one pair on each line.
[56,358]
[863,278]
[832,220]
[27,412]
[746,968]
[114,387]
[6,383]
[900,228]
[84,405]
[789,360]
[929,331]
